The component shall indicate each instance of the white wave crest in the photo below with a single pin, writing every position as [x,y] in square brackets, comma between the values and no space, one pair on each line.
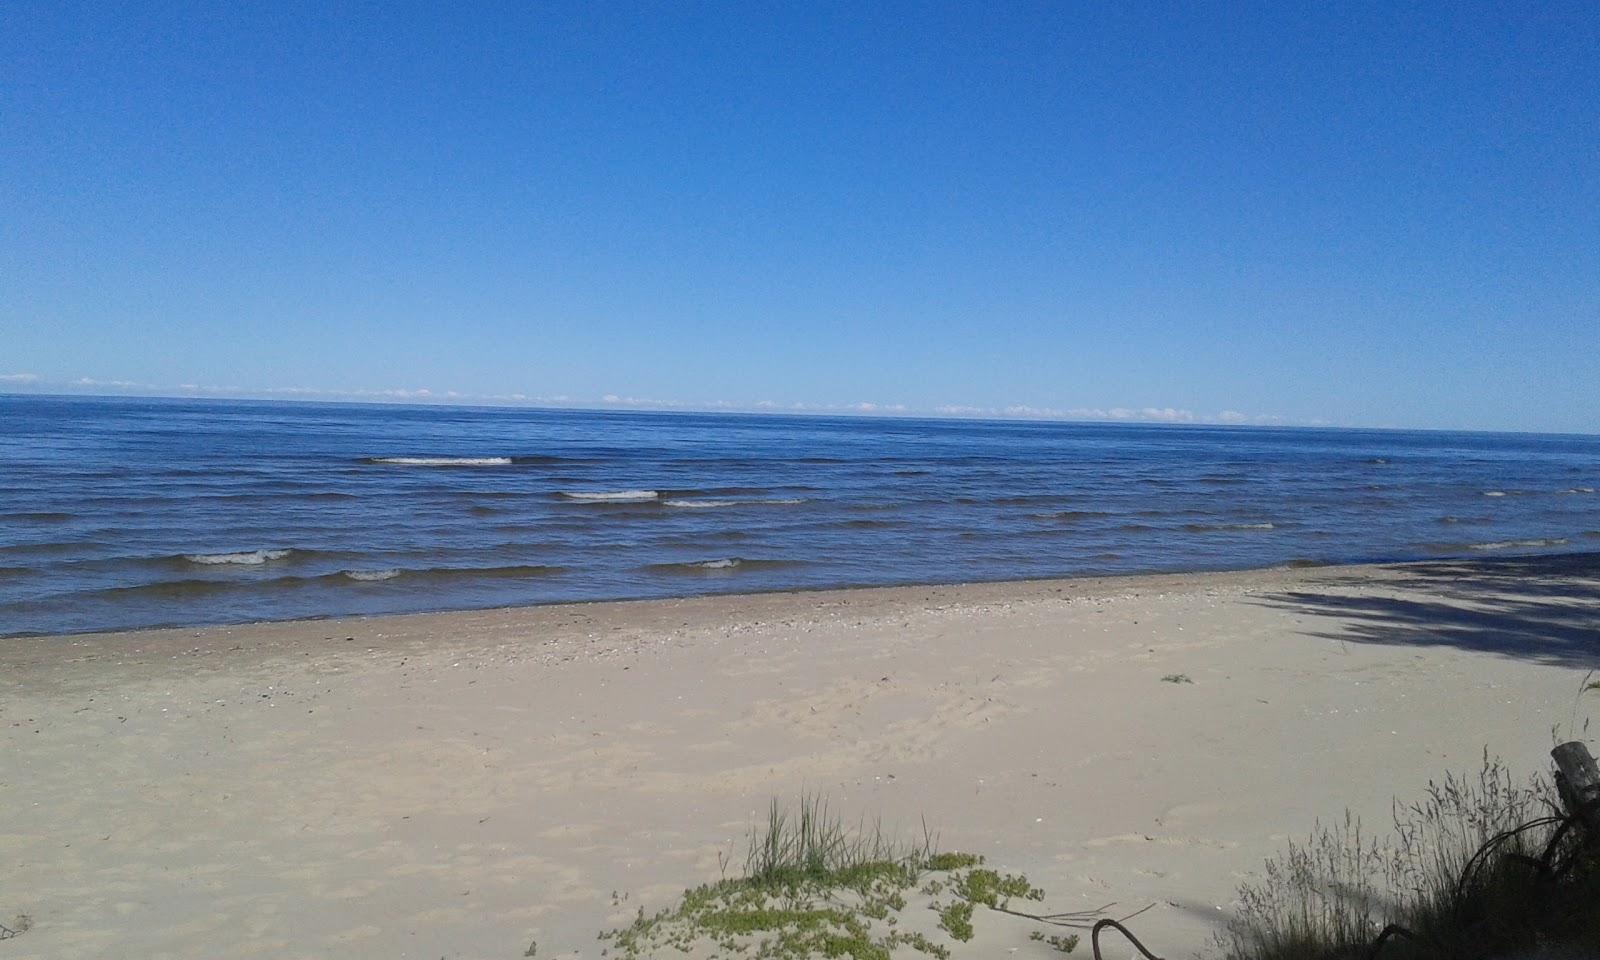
[612,496]
[727,564]
[371,576]
[1579,490]
[1494,493]
[1517,544]
[251,558]
[444,461]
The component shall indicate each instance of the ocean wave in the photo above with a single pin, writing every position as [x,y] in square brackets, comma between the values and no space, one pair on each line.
[36,516]
[1070,515]
[1577,490]
[249,558]
[513,572]
[721,565]
[344,578]
[371,576]
[611,496]
[865,523]
[1494,493]
[689,504]
[1225,527]
[423,575]
[1518,544]
[441,461]
[51,549]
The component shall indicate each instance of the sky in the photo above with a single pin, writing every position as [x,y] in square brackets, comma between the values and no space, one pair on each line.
[1354,214]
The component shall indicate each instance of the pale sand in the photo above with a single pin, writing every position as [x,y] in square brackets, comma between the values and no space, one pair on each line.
[457,785]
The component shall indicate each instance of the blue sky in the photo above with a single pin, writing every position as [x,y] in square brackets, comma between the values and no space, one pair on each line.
[1357,214]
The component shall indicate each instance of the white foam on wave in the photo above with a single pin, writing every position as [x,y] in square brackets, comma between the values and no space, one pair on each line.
[444,461]
[1517,544]
[250,558]
[612,496]
[727,564]
[371,576]
[1579,490]
[1494,493]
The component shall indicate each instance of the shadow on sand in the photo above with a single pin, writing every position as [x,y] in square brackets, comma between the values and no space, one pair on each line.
[1542,609]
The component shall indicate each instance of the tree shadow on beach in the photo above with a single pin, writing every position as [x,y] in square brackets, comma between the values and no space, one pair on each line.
[1542,609]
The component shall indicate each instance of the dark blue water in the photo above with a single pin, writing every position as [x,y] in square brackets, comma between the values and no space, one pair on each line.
[123,513]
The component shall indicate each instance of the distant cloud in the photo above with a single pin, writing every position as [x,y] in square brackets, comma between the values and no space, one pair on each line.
[1110,414]
[88,383]
[33,383]
[1167,415]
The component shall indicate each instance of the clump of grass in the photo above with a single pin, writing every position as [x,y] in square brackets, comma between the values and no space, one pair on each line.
[812,844]
[815,887]
[1458,874]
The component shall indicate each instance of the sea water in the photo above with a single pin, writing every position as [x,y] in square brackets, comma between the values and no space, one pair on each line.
[128,513]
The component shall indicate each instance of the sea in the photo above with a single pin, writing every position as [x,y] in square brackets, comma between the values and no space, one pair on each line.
[124,513]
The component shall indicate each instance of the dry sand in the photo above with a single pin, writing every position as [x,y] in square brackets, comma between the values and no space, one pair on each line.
[456,785]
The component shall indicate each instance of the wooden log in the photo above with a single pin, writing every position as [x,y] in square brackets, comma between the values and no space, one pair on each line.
[1578,780]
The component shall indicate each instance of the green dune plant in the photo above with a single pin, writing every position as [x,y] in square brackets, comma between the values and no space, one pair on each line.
[815,887]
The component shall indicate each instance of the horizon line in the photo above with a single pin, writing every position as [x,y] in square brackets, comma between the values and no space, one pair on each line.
[1144,417]
[31,384]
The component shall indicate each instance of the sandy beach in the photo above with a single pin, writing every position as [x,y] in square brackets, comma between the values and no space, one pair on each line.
[458,785]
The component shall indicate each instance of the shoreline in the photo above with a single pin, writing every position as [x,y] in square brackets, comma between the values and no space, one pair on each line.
[457,784]
[1541,562]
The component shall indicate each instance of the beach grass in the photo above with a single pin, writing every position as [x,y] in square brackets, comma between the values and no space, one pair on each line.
[810,843]
[1459,876]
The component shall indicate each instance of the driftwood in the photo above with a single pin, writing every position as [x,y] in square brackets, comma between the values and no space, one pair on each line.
[1578,781]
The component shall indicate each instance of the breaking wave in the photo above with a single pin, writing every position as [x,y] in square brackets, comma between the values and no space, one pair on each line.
[249,558]
[611,496]
[371,576]
[1518,544]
